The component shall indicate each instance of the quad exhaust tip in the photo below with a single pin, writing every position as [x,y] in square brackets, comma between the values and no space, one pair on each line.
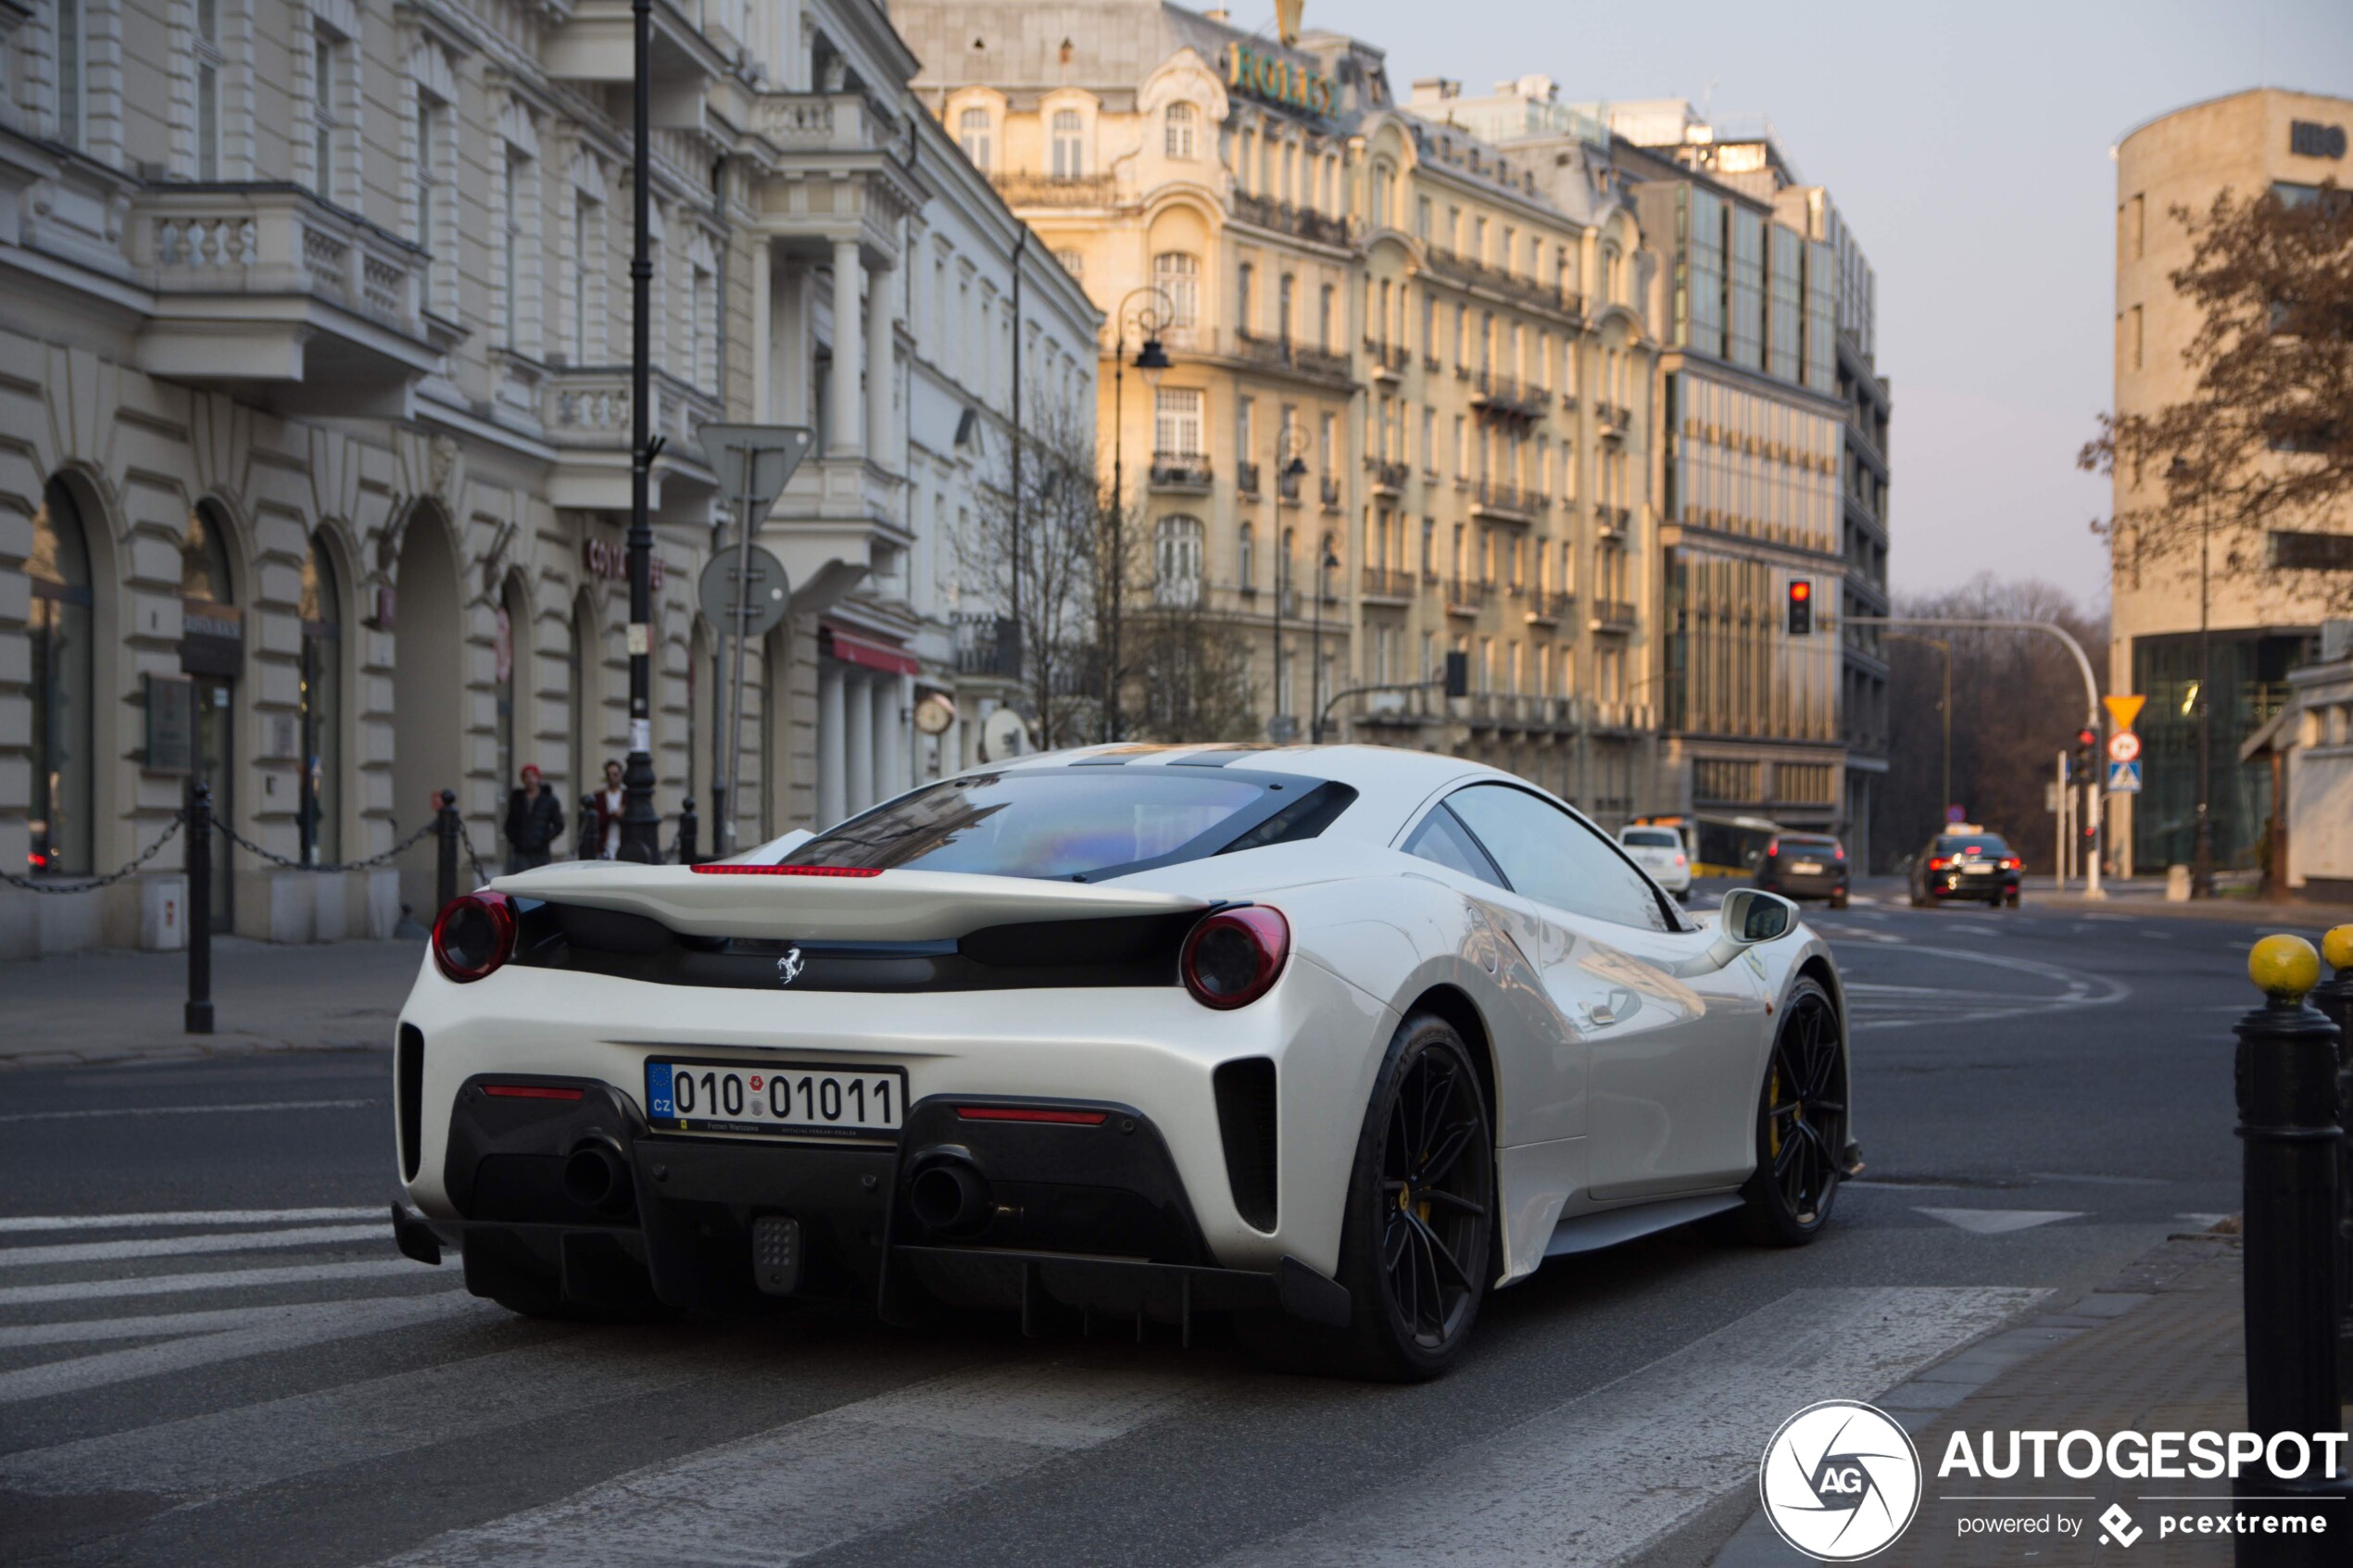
[597,1176]
[949,1196]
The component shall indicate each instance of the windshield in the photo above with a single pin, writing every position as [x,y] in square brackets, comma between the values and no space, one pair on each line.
[1970,844]
[1650,838]
[1075,823]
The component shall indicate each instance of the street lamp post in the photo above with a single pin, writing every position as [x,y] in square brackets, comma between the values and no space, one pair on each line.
[1151,359]
[1290,462]
[640,826]
[1323,569]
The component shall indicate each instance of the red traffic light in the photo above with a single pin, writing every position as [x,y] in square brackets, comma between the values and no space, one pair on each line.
[1800,591]
[2087,738]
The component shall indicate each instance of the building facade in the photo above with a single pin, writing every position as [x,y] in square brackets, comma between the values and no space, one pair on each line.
[2260,620]
[1406,409]
[314,476]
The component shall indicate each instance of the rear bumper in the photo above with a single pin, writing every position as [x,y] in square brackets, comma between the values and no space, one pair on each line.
[1090,1218]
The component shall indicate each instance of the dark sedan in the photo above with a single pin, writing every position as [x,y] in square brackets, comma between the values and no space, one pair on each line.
[1804,865]
[1965,865]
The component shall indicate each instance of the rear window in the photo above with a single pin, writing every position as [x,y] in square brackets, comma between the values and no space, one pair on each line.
[1803,844]
[1650,838]
[1970,844]
[1078,823]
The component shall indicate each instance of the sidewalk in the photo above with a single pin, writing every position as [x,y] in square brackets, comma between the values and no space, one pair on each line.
[115,1005]
[2158,1348]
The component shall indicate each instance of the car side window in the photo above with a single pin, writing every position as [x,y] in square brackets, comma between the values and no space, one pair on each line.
[1442,838]
[1554,859]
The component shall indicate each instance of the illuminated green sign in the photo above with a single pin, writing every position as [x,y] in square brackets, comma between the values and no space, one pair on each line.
[1277,79]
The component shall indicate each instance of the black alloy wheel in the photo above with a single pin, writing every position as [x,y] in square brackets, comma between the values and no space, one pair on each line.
[1417,1238]
[1801,1125]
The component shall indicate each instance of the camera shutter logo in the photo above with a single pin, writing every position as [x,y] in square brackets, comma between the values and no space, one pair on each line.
[1840,1481]
[789,968]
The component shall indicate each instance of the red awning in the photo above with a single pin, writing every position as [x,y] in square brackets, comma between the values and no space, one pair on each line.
[873,655]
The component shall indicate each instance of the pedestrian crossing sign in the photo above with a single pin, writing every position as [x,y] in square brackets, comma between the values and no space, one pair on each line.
[2124,778]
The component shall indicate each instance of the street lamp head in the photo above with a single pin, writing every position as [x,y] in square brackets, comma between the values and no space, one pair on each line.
[1295,468]
[1151,359]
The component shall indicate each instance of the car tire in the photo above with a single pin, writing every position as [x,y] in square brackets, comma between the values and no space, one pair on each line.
[1410,1318]
[1800,1135]
[1838,899]
[2010,898]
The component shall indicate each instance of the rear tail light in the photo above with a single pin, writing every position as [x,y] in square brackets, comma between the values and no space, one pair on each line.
[785,870]
[1679,859]
[2013,863]
[530,1091]
[1937,863]
[1032,1113]
[1839,852]
[1233,957]
[473,935]
[1773,847]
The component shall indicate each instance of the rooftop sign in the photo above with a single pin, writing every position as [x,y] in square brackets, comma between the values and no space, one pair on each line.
[1277,79]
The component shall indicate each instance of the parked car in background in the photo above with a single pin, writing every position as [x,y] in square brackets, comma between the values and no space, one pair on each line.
[1660,851]
[1965,861]
[1804,865]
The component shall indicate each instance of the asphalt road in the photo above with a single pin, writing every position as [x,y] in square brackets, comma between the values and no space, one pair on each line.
[234,1368]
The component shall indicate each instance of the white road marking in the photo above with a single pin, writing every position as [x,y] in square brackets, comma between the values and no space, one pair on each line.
[225,1452]
[155,1325]
[2076,990]
[338,1319]
[1601,1478]
[168,1245]
[225,1279]
[16,1222]
[1999,1221]
[828,1478]
[189,1110]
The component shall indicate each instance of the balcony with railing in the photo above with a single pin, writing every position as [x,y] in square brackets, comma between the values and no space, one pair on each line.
[1387,359]
[1503,503]
[820,122]
[1048,190]
[1283,353]
[1500,394]
[1389,479]
[986,643]
[1613,615]
[1465,270]
[1615,417]
[1611,522]
[1547,607]
[1388,584]
[1328,490]
[1246,478]
[1468,595]
[269,284]
[1287,487]
[1301,223]
[1184,472]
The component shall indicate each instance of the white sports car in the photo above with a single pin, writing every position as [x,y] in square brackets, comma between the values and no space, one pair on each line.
[1334,1039]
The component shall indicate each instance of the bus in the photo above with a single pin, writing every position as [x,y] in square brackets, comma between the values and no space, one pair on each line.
[1719,845]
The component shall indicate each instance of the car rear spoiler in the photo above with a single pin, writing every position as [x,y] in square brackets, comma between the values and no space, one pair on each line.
[891,905]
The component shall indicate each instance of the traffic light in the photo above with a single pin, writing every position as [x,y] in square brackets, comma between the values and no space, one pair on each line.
[2087,741]
[1801,606]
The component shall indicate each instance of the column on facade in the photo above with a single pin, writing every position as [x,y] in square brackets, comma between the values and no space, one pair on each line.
[831,775]
[846,438]
[890,764]
[858,742]
[882,315]
[764,346]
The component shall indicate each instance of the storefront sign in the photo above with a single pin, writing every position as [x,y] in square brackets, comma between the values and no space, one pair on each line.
[2309,138]
[212,640]
[171,724]
[1277,81]
[611,562]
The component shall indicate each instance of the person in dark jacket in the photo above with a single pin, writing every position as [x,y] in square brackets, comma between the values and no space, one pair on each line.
[535,821]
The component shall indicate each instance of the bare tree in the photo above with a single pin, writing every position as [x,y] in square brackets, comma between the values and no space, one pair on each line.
[1186,665]
[2266,439]
[2018,700]
[1039,550]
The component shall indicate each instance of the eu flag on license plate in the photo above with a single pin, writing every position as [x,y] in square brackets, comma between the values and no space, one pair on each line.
[658,1100]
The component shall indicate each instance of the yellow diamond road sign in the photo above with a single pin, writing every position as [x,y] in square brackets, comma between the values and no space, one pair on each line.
[2123,710]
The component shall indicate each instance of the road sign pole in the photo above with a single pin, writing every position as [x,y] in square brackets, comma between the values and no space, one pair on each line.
[2059,862]
[723,831]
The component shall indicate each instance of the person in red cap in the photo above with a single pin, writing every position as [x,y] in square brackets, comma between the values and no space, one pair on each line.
[535,821]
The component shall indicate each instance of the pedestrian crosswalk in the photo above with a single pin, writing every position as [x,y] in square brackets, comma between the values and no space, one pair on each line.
[277,1354]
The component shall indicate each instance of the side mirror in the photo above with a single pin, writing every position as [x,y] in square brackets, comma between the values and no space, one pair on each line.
[1748,917]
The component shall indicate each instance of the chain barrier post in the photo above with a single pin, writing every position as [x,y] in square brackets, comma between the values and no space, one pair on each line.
[687,831]
[446,869]
[2334,998]
[196,1016]
[2287,1095]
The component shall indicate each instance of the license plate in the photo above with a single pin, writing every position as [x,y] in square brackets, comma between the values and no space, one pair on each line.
[1808,868]
[787,1100]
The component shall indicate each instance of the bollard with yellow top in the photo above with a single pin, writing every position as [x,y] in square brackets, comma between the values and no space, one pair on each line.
[2334,998]
[2287,1095]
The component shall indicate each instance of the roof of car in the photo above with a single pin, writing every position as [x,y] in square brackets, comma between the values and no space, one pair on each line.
[1348,764]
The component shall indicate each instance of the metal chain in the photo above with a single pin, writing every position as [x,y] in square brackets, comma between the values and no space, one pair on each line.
[31,884]
[248,845]
[482,877]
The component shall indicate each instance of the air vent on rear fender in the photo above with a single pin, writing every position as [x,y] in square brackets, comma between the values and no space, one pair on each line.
[1246,1122]
[409,1083]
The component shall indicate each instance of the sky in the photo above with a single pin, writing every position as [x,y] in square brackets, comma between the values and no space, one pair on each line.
[1967,147]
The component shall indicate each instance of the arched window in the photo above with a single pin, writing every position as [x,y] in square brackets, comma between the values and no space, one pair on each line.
[1070,144]
[64,806]
[1246,562]
[972,132]
[212,650]
[1178,276]
[321,809]
[1180,122]
[1176,557]
[204,557]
